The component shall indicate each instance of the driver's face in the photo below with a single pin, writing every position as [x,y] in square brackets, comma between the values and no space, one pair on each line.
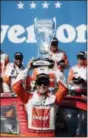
[42,89]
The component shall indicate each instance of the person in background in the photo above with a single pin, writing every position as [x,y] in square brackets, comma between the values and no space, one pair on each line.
[58,55]
[4,60]
[11,72]
[40,105]
[77,77]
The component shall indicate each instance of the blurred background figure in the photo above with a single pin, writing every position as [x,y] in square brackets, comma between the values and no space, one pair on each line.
[4,60]
[77,77]
[11,72]
[58,55]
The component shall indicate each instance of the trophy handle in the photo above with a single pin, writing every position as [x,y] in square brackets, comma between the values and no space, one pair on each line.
[35,19]
[54,19]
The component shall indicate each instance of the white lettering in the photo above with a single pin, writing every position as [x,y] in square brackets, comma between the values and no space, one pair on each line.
[40,117]
[31,35]
[14,33]
[66,33]
[4,29]
[81,33]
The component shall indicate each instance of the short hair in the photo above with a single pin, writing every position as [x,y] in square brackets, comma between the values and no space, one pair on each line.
[18,55]
[82,55]
[54,42]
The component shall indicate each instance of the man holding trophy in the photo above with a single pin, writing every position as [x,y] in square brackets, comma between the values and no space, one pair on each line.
[40,105]
[45,32]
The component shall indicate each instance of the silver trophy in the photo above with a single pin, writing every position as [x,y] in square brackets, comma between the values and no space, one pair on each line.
[44,30]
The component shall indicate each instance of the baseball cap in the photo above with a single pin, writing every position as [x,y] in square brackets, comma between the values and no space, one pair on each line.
[54,42]
[18,55]
[82,55]
[42,79]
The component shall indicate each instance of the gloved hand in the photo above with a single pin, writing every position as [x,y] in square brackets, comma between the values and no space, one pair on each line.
[29,65]
[78,80]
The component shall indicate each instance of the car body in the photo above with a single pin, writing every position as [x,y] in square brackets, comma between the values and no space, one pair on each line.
[71,117]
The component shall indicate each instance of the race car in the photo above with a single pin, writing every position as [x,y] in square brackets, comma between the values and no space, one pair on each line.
[71,117]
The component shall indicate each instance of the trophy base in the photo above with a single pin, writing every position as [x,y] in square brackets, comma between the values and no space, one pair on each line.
[40,62]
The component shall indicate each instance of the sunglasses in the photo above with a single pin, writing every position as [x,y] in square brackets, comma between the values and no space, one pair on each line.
[43,82]
[19,58]
[81,58]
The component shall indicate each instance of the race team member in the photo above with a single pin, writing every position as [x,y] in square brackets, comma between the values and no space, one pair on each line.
[11,72]
[48,71]
[53,75]
[77,77]
[59,56]
[40,105]
[4,60]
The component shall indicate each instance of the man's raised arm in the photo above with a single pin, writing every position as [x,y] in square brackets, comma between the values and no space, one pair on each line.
[62,88]
[17,87]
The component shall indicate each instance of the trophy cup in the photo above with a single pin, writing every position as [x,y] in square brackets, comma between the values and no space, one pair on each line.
[44,30]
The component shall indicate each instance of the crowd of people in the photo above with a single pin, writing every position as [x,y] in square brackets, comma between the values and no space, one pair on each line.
[77,76]
[46,86]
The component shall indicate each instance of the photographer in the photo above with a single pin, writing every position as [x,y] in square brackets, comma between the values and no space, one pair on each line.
[77,78]
[40,106]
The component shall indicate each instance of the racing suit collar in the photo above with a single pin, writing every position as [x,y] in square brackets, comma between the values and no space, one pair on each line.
[36,100]
[46,94]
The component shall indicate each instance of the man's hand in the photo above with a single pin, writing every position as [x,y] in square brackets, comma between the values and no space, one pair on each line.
[29,65]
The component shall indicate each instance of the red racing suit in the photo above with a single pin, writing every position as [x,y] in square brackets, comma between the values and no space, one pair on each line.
[40,109]
[4,60]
